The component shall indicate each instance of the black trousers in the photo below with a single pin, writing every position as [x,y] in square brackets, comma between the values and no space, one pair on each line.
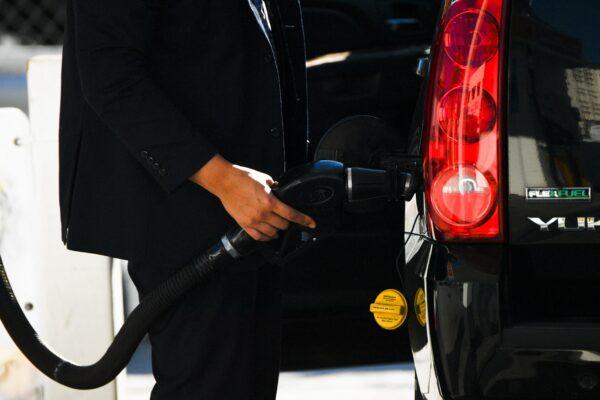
[222,340]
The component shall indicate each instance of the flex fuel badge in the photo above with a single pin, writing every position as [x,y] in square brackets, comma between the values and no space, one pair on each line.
[559,194]
[390,309]
[420,309]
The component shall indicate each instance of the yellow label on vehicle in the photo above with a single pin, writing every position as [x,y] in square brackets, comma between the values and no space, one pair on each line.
[390,309]
[420,307]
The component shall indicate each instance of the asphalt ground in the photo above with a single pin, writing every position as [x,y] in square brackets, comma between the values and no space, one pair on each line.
[380,382]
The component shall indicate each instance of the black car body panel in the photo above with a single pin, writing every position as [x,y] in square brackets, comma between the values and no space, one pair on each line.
[361,56]
[553,121]
[489,333]
[520,319]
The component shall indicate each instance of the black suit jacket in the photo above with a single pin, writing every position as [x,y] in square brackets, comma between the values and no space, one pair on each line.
[151,90]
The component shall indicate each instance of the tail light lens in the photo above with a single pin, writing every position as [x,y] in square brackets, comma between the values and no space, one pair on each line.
[463,132]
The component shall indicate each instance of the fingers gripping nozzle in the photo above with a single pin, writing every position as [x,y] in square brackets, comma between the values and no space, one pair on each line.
[316,189]
[325,190]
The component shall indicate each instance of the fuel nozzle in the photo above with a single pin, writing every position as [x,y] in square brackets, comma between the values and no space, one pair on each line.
[378,169]
[367,190]
[326,190]
[371,189]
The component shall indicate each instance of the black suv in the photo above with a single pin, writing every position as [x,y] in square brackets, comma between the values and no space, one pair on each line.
[502,266]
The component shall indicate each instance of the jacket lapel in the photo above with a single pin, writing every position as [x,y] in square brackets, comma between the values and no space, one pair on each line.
[256,14]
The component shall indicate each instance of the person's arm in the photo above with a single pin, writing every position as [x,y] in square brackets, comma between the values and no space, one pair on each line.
[112,41]
[246,195]
[113,38]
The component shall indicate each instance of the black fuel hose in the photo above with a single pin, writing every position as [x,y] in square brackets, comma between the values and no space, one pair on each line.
[294,188]
[321,189]
[233,245]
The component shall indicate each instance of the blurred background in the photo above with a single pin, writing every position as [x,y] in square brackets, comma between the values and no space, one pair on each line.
[27,28]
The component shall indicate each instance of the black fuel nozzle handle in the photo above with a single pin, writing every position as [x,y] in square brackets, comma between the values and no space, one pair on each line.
[316,189]
[324,190]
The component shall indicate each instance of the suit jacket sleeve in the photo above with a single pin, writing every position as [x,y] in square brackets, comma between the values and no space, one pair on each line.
[113,38]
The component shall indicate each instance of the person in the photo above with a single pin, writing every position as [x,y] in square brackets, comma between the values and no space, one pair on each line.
[175,118]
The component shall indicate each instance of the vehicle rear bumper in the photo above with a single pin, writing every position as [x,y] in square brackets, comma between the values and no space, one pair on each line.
[472,348]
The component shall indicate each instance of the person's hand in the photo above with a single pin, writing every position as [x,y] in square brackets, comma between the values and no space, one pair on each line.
[246,195]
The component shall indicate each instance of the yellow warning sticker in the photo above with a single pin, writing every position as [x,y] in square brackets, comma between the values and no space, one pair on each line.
[390,309]
[420,307]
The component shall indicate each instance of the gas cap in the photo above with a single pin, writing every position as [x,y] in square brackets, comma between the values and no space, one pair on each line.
[390,309]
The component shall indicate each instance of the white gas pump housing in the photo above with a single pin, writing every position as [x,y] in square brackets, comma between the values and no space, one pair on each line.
[74,300]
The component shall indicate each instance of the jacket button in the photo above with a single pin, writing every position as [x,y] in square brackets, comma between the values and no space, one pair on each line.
[162,172]
[274,132]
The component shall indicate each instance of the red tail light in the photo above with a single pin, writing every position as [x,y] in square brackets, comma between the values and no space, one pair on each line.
[463,131]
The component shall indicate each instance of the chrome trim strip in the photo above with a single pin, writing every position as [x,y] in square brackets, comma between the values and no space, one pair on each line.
[349,183]
[229,247]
